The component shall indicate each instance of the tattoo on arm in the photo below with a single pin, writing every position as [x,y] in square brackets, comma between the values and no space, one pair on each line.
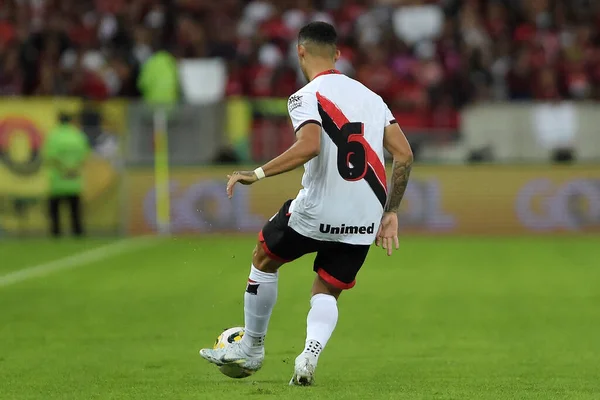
[400,175]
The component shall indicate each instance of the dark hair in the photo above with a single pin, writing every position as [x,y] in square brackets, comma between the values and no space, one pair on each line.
[64,118]
[319,33]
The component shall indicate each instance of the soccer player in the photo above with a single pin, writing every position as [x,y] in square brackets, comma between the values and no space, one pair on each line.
[342,129]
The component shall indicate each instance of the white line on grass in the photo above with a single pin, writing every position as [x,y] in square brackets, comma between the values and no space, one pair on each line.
[76,260]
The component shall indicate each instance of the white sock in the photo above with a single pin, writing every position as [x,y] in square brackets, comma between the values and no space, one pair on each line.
[259,300]
[320,323]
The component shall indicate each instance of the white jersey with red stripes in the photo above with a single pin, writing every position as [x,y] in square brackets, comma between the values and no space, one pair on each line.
[344,188]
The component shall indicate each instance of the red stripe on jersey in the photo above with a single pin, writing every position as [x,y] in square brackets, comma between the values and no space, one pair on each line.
[377,167]
[339,119]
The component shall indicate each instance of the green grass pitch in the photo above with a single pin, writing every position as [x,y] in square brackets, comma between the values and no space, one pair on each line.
[444,318]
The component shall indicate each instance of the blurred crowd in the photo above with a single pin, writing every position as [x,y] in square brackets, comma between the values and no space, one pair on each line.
[426,58]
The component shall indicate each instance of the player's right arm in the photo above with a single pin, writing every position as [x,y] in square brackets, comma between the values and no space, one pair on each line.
[306,121]
[305,148]
[396,144]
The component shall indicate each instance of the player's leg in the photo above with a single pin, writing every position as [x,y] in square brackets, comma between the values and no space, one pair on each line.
[259,299]
[277,244]
[336,267]
[322,316]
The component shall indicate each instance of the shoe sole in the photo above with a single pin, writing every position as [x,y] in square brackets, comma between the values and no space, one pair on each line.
[302,381]
[220,363]
[209,358]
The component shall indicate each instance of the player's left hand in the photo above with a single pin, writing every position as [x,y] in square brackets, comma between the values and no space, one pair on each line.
[243,177]
[387,236]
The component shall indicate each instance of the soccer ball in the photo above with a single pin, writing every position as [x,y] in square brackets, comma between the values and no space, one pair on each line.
[229,336]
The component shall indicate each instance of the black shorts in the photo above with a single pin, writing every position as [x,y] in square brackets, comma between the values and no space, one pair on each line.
[336,263]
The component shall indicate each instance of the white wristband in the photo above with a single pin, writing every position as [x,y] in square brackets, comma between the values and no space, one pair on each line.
[260,174]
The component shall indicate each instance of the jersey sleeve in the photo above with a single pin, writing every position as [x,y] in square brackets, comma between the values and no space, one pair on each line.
[389,117]
[303,109]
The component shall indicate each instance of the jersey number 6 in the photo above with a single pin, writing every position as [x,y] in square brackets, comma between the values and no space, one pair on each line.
[352,154]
